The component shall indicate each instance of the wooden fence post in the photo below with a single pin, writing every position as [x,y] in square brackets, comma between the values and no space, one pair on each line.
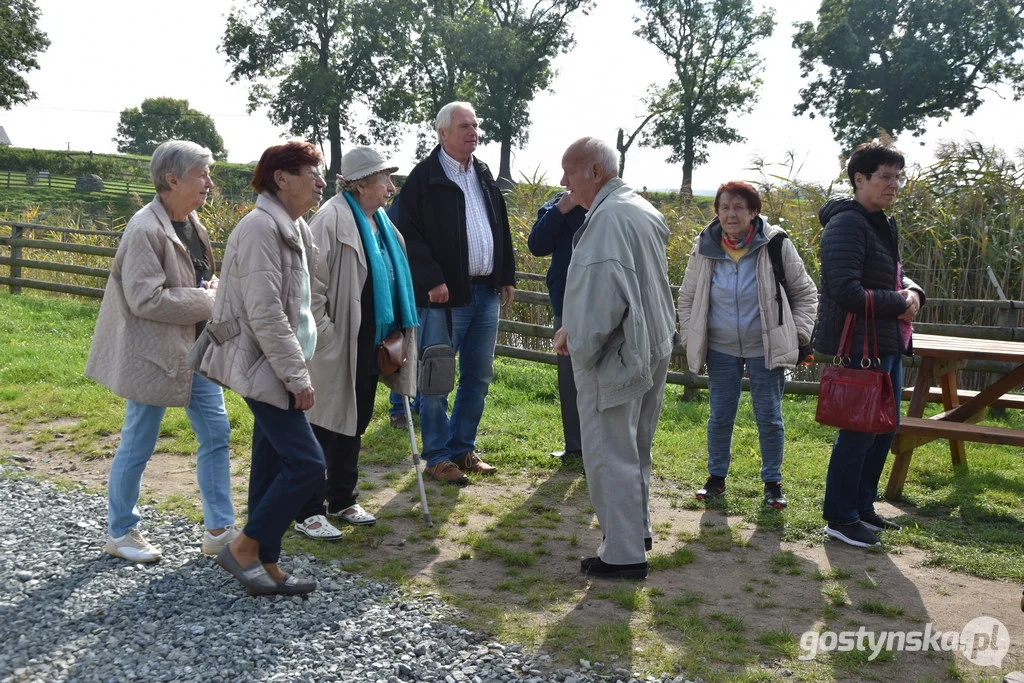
[16,233]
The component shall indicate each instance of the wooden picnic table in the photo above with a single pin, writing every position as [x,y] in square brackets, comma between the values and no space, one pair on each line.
[941,359]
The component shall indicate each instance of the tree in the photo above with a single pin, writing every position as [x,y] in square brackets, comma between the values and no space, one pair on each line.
[515,43]
[310,61]
[141,129]
[496,54]
[623,142]
[20,42]
[709,45]
[895,64]
[437,73]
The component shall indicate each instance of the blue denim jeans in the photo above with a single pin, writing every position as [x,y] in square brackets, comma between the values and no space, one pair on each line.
[725,375]
[209,421]
[474,333]
[851,485]
[397,408]
[287,469]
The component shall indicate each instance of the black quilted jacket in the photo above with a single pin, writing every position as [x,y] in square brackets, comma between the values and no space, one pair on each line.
[859,250]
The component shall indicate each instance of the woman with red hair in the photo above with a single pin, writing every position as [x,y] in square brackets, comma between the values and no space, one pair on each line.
[731,316]
[263,336]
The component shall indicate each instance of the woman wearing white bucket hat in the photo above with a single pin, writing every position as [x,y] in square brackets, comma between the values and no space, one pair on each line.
[362,292]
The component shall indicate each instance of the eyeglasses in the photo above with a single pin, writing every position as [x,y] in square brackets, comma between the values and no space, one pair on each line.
[889,178]
[317,175]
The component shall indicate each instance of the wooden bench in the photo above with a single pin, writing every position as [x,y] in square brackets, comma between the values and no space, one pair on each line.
[959,431]
[935,396]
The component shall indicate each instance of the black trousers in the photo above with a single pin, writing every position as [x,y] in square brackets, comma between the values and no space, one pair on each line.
[339,490]
[567,400]
[287,466]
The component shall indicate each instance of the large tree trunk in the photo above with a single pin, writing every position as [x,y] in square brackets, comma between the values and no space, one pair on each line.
[334,137]
[505,169]
[686,189]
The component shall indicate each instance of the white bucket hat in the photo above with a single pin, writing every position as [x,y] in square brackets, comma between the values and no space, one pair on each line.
[361,162]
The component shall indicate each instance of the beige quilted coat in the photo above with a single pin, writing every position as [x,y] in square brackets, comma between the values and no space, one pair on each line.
[150,308]
[261,289]
[337,288]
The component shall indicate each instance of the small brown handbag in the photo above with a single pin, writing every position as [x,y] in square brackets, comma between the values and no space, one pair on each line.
[858,400]
[391,354]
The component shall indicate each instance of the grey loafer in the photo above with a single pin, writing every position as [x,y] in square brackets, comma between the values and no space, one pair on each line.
[293,585]
[254,577]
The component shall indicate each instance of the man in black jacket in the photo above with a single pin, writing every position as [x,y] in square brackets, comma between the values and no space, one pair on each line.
[860,253]
[455,224]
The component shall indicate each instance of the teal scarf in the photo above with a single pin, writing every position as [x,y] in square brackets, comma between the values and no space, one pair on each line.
[383,306]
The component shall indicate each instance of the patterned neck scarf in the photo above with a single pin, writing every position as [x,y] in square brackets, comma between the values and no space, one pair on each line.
[735,244]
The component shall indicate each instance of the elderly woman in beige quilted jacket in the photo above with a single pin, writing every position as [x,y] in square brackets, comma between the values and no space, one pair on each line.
[160,290]
[265,336]
[734,315]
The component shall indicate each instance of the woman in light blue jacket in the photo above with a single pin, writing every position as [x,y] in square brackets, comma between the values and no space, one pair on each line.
[732,316]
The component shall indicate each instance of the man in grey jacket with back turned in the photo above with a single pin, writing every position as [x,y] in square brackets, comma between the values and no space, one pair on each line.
[618,323]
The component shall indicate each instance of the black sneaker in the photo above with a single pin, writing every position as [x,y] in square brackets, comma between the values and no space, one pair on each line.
[595,566]
[877,522]
[713,487]
[773,496]
[855,534]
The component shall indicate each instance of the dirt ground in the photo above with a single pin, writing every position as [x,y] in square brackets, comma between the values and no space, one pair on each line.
[738,582]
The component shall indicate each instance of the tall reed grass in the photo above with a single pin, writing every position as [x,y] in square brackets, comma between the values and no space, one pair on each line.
[958,218]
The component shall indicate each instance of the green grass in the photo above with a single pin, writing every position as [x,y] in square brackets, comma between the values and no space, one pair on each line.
[882,608]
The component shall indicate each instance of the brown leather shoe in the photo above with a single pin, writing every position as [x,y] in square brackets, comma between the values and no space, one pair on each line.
[471,462]
[447,472]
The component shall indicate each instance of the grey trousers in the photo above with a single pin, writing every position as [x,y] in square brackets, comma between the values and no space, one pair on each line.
[617,459]
[567,400]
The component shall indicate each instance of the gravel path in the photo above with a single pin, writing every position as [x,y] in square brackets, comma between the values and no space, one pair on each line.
[69,612]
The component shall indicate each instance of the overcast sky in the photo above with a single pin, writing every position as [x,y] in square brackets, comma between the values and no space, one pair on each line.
[107,55]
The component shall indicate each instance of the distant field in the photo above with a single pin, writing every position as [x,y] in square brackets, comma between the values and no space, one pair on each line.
[42,180]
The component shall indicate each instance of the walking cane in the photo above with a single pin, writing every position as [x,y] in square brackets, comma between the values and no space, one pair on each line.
[416,461]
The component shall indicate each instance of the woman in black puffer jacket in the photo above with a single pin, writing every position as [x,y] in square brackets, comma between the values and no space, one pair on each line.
[859,252]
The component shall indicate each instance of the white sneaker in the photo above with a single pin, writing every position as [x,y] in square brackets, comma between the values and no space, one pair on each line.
[213,544]
[133,547]
[319,528]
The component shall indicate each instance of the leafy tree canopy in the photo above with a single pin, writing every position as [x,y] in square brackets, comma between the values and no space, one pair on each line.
[141,129]
[895,64]
[20,42]
[495,54]
[310,61]
[709,44]
[515,44]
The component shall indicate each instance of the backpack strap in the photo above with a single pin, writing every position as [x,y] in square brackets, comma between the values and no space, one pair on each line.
[775,255]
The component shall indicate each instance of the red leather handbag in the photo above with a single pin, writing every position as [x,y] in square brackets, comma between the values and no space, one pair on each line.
[857,399]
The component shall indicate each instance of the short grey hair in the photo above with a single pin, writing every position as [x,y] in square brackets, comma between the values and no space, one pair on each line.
[176,157]
[353,186]
[595,150]
[444,117]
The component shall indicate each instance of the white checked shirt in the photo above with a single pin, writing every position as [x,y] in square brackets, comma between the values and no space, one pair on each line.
[478,226]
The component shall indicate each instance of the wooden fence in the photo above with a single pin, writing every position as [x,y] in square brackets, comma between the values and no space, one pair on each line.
[526,331]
